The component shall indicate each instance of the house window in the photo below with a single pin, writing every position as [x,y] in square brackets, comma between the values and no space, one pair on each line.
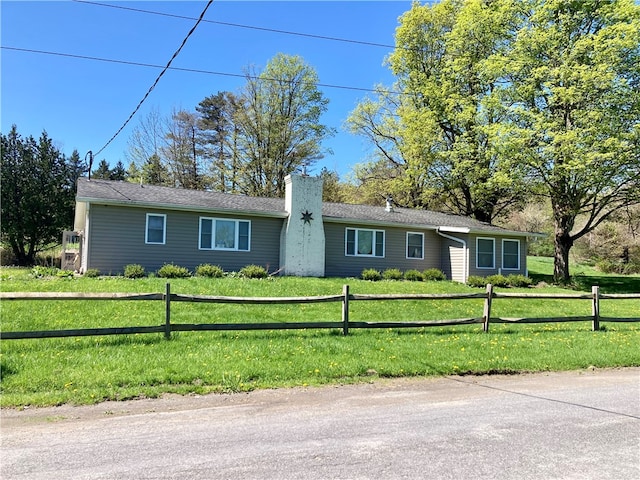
[511,254]
[415,245]
[156,229]
[364,243]
[485,253]
[224,234]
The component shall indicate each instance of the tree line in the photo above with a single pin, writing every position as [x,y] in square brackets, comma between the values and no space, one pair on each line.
[501,103]
[245,142]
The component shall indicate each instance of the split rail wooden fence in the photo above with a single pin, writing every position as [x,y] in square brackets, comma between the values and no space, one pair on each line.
[345,324]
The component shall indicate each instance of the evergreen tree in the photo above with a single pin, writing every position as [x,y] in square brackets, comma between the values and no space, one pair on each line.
[118,172]
[103,172]
[37,195]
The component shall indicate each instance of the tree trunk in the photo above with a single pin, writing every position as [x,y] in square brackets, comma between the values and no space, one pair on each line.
[563,244]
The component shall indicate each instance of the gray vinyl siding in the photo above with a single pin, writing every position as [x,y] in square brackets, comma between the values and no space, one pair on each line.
[338,264]
[117,238]
[483,272]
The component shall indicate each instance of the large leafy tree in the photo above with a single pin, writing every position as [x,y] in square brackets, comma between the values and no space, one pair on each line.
[278,125]
[438,132]
[37,195]
[574,74]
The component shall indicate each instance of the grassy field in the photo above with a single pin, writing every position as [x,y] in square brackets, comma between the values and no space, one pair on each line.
[92,369]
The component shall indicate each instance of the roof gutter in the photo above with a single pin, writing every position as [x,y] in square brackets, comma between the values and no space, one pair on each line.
[465,257]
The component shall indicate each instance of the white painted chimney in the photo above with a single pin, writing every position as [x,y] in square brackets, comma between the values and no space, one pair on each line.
[302,246]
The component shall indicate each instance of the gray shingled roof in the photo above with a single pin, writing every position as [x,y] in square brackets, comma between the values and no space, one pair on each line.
[126,193]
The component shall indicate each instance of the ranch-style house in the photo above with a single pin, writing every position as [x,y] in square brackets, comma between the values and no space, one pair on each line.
[120,223]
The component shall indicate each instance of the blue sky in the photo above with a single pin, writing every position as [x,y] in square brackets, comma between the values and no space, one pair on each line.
[82,103]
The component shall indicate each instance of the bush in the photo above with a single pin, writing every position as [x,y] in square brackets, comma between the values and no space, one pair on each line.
[92,273]
[631,268]
[392,274]
[413,276]
[65,274]
[211,271]
[371,274]
[433,274]
[253,271]
[519,281]
[7,257]
[607,266]
[169,270]
[497,280]
[41,271]
[476,281]
[133,270]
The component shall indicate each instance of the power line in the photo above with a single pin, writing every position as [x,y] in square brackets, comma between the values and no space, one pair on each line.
[166,67]
[239,25]
[189,70]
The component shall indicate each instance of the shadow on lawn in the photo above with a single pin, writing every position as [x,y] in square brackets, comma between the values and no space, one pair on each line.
[607,283]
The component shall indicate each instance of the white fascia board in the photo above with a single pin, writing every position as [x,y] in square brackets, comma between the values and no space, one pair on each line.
[454,229]
[510,233]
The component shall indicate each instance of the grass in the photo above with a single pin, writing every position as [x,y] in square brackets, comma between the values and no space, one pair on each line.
[584,276]
[92,369]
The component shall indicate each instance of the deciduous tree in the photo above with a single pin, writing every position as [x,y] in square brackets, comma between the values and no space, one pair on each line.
[438,132]
[574,88]
[278,122]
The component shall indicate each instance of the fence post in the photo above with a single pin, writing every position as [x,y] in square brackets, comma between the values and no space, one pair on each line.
[595,307]
[486,314]
[345,310]
[167,315]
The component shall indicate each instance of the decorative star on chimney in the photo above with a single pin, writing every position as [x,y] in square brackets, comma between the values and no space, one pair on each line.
[307,216]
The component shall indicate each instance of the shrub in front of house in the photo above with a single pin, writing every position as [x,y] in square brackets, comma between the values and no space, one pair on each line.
[169,270]
[133,270]
[253,271]
[371,274]
[92,273]
[392,274]
[519,281]
[413,276]
[476,281]
[497,280]
[433,274]
[211,271]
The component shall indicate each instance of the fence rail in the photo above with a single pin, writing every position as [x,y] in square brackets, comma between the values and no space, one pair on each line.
[345,298]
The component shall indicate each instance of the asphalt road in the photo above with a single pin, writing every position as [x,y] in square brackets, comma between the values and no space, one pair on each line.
[575,425]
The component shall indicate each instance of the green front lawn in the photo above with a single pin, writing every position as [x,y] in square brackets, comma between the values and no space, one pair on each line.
[92,369]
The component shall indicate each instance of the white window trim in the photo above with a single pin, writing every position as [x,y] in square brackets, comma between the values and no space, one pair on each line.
[406,250]
[373,247]
[164,229]
[236,240]
[510,240]
[493,264]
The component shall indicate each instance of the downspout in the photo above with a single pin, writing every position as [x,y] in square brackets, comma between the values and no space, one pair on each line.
[84,246]
[465,266]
